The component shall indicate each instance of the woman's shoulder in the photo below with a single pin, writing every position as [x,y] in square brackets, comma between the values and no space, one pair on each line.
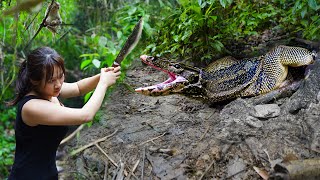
[34,104]
[35,108]
[26,99]
[39,103]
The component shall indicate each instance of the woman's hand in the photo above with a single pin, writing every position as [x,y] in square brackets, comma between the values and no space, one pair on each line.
[109,75]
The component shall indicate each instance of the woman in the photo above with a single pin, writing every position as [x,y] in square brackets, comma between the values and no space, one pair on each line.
[42,120]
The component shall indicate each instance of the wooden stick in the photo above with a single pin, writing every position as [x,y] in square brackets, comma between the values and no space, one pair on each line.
[208,168]
[204,134]
[106,170]
[62,36]
[115,173]
[93,143]
[109,158]
[241,171]
[104,153]
[72,134]
[134,168]
[207,129]
[121,171]
[152,139]
[32,20]
[143,161]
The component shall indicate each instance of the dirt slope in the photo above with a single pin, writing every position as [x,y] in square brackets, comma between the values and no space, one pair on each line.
[174,137]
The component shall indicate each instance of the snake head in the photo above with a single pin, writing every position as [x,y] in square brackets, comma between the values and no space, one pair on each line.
[179,76]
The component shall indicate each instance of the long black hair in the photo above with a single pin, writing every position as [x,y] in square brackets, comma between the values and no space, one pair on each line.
[39,64]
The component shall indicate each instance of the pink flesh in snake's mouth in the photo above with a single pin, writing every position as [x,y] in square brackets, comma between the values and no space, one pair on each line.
[173,78]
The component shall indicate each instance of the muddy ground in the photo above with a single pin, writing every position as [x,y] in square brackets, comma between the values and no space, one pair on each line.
[175,137]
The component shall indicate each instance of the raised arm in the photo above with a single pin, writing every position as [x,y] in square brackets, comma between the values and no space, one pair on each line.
[38,111]
[81,87]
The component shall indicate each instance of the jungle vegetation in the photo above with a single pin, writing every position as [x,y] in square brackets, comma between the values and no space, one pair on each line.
[93,32]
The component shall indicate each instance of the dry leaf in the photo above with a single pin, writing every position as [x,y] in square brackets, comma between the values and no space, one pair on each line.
[263,173]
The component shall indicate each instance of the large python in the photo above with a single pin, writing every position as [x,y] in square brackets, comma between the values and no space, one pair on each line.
[228,77]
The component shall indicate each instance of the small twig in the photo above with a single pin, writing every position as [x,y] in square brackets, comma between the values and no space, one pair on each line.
[207,129]
[109,158]
[106,170]
[115,173]
[208,168]
[152,139]
[120,172]
[32,20]
[93,143]
[133,169]
[236,173]
[209,116]
[265,151]
[204,134]
[72,134]
[104,153]
[62,36]
[143,161]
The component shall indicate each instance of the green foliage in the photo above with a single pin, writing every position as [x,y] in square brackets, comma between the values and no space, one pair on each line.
[7,141]
[303,17]
[103,46]
[203,29]
[15,33]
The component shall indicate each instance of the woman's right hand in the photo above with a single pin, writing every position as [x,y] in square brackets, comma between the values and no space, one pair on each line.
[109,75]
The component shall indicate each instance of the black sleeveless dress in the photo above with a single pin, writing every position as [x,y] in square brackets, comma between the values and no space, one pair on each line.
[35,148]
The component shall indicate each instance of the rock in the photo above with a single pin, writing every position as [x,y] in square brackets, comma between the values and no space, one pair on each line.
[255,146]
[93,160]
[266,111]
[238,121]
[253,122]
[80,164]
[235,111]
[171,168]
[307,93]
[235,167]
[312,118]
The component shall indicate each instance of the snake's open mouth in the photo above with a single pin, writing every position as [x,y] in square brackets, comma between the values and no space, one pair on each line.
[171,85]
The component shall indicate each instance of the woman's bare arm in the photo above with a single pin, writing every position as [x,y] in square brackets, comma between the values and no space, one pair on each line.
[38,111]
[81,87]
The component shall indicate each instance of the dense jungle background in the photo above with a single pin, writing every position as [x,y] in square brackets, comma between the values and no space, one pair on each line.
[93,31]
